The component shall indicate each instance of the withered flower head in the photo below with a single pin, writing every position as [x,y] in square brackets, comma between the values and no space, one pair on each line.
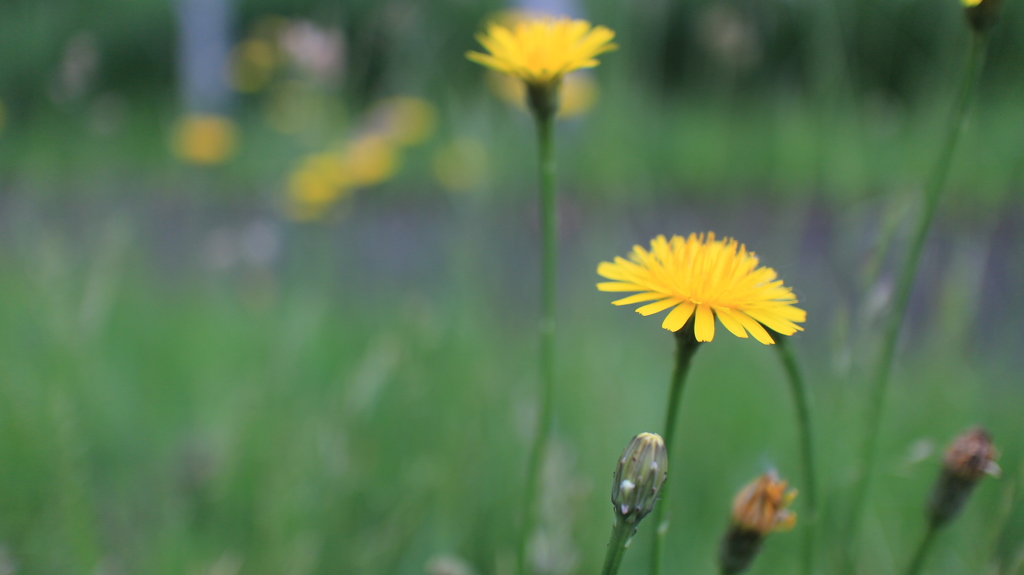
[762,505]
[758,509]
[972,455]
[641,472]
[967,460]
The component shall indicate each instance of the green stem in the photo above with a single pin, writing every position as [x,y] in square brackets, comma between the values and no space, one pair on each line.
[686,346]
[622,533]
[922,550]
[904,284]
[548,225]
[803,414]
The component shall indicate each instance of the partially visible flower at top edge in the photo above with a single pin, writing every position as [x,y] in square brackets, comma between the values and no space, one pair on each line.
[982,14]
[540,51]
[705,278]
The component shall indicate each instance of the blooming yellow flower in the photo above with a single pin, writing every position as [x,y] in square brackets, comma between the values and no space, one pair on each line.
[540,51]
[761,506]
[704,277]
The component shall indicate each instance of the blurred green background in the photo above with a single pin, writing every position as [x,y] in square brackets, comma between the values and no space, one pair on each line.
[215,359]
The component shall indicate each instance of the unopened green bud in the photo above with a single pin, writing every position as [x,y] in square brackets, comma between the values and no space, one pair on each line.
[967,460]
[639,476]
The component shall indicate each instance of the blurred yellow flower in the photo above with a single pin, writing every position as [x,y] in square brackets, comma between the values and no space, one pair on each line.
[252,65]
[540,51]
[370,159]
[577,93]
[971,3]
[206,139]
[315,185]
[405,120]
[704,277]
[461,165]
[761,506]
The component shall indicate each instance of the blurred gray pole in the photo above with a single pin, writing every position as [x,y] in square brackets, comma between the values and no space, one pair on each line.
[553,7]
[204,44]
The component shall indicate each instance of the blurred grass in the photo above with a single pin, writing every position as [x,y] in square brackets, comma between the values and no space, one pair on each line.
[331,415]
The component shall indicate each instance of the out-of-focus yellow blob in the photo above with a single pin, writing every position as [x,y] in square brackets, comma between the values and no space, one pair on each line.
[461,165]
[311,192]
[577,93]
[370,159]
[406,120]
[331,166]
[205,139]
[252,65]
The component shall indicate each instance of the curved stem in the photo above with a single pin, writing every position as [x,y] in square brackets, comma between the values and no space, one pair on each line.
[686,346]
[548,225]
[622,532]
[904,284]
[803,414]
[922,550]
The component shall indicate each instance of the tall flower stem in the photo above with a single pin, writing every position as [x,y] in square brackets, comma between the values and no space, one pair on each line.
[803,416]
[922,550]
[686,346]
[622,532]
[543,107]
[904,284]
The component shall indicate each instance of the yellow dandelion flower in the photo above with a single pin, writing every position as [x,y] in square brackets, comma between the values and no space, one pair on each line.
[205,139]
[540,51]
[703,277]
[761,506]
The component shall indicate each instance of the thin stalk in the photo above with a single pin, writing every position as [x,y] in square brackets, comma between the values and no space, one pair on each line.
[686,346]
[922,550]
[622,533]
[803,416]
[904,284]
[548,225]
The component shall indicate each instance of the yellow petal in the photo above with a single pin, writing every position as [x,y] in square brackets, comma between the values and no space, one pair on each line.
[704,324]
[653,308]
[677,318]
[754,328]
[730,322]
[619,286]
[638,298]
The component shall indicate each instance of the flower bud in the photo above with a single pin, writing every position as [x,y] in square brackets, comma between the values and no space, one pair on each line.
[982,14]
[967,460]
[639,476]
[758,509]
